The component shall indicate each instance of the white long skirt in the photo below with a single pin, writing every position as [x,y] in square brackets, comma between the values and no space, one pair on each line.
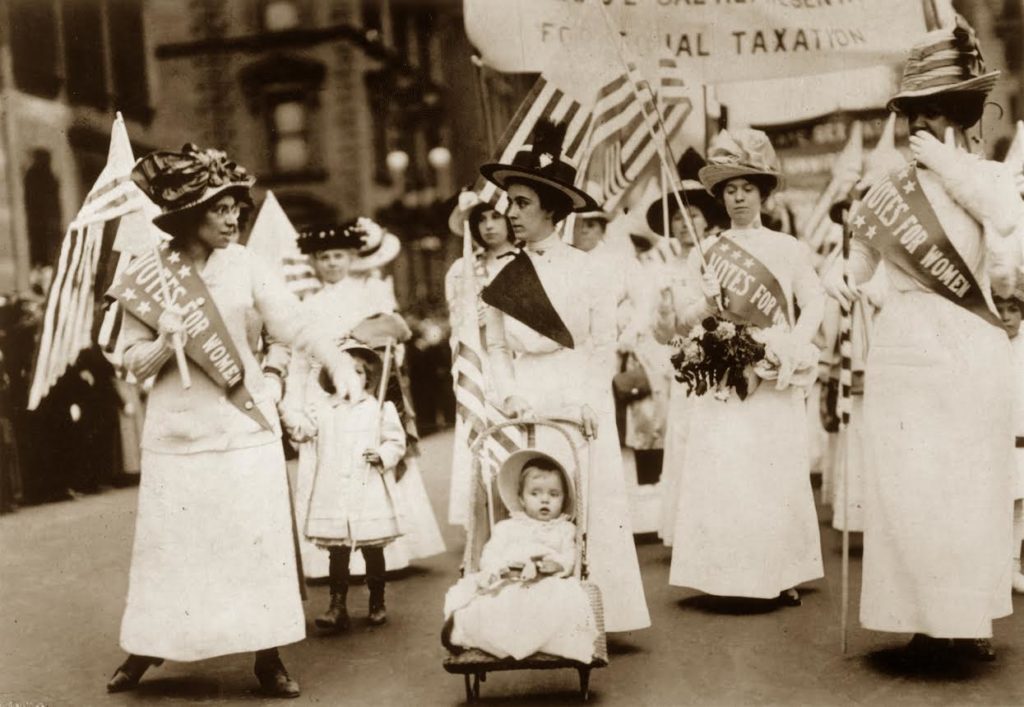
[421,534]
[461,476]
[677,428]
[747,526]
[213,564]
[937,408]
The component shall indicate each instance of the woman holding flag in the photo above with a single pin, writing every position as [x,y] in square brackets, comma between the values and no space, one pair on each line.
[937,391]
[213,567]
[551,331]
[746,523]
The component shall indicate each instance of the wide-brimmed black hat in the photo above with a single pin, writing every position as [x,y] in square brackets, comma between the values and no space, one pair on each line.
[692,192]
[178,182]
[541,163]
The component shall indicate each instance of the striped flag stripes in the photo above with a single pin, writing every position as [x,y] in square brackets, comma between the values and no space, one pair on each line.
[627,132]
[87,260]
[844,402]
[544,101]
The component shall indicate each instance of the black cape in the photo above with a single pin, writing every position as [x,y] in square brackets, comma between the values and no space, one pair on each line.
[518,292]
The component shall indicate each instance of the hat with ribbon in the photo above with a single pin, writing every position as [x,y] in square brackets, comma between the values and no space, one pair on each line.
[372,246]
[692,192]
[512,469]
[180,181]
[541,163]
[468,205]
[740,153]
[946,60]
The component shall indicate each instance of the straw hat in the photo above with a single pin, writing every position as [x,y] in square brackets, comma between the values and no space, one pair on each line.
[740,153]
[692,192]
[508,479]
[178,182]
[541,163]
[946,60]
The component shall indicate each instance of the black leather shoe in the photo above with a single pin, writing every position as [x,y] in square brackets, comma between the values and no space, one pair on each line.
[274,679]
[975,649]
[128,674]
[335,619]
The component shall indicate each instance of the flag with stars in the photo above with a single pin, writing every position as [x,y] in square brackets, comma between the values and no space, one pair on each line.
[88,260]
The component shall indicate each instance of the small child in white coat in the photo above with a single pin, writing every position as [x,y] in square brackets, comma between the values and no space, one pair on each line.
[1010,311]
[354,502]
[524,598]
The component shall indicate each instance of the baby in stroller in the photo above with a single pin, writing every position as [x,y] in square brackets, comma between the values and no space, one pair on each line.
[525,599]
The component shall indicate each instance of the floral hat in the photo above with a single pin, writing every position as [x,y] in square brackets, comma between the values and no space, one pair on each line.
[512,468]
[946,60]
[373,246]
[741,153]
[180,181]
[542,163]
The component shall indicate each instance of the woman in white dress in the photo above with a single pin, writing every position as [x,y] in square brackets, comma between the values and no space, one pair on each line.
[341,305]
[213,567]
[551,331]
[746,524]
[708,217]
[492,233]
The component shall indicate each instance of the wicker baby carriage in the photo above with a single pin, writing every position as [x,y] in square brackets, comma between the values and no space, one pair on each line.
[486,510]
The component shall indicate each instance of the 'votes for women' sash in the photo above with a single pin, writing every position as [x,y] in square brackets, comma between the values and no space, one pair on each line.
[897,220]
[749,289]
[209,343]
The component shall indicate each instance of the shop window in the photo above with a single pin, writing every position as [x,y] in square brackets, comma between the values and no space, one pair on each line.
[85,62]
[42,209]
[33,39]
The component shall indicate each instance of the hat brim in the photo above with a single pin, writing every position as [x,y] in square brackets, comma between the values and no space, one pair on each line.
[712,210]
[979,84]
[501,173]
[169,217]
[508,480]
[714,174]
[389,249]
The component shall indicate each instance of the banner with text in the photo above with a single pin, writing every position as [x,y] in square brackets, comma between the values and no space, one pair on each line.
[716,41]
[749,289]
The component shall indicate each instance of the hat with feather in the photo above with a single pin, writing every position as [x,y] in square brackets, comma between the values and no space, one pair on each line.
[179,182]
[541,163]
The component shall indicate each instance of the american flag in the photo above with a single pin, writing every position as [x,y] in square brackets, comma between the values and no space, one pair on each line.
[87,263]
[629,128]
[475,412]
[545,101]
[844,402]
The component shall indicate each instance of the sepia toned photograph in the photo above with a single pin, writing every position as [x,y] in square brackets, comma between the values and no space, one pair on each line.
[512,352]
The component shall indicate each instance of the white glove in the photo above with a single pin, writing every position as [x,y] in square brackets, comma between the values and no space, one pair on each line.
[711,288]
[940,157]
[299,426]
[837,288]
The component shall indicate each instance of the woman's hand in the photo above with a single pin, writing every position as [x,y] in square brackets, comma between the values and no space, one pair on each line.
[529,571]
[299,426]
[838,289]
[549,567]
[372,456]
[517,408]
[712,289]
[275,386]
[588,420]
[170,325]
[937,156]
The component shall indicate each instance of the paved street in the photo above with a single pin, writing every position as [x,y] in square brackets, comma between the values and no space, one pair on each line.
[64,571]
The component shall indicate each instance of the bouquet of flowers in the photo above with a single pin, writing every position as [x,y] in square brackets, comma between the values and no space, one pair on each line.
[718,356]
